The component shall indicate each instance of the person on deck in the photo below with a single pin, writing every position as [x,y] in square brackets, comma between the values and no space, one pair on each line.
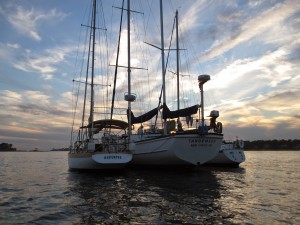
[179,126]
[140,130]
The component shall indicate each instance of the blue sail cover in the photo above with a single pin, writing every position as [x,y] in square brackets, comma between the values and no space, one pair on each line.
[143,118]
[167,114]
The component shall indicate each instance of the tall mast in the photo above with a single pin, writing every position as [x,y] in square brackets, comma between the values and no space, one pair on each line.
[163,60]
[91,119]
[177,59]
[117,62]
[128,68]
[86,79]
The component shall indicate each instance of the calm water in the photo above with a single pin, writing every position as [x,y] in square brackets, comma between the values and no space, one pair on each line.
[37,188]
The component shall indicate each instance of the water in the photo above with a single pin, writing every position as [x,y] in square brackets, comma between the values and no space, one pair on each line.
[37,188]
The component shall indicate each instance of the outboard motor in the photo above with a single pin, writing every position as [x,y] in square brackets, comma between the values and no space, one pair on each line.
[217,127]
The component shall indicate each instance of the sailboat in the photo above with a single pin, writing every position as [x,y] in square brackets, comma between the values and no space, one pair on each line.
[99,143]
[170,146]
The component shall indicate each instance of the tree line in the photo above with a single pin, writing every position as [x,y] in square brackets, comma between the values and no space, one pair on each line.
[272,145]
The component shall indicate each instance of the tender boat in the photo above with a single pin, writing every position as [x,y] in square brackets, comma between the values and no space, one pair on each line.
[230,154]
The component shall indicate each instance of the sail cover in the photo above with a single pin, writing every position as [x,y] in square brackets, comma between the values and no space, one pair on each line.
[108,123]
[167,114]
[143,118]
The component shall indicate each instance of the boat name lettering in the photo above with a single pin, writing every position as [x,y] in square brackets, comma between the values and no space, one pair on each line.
[198,140]
[113,157]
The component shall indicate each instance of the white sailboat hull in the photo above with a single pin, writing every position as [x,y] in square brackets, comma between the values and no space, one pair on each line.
[98,161]
[176,149]
[228,155]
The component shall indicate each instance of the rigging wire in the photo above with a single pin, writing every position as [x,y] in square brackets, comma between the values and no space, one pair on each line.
[166,66]
[138,46]
[102,67]
[116,66]
[74,109]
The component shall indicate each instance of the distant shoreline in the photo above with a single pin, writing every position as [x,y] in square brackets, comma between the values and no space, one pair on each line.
[272,145]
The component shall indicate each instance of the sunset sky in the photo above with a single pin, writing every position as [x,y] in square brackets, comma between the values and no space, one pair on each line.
[251,49]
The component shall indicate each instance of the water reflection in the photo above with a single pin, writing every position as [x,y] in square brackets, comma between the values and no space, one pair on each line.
[147,196]
[233,197]
[37,188]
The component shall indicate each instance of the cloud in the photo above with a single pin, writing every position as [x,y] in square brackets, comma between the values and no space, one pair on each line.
[266,72]
[28,103]
[253,27]
[293,55]
[29,139]
[47,76]
[7,51]
[255,3]
[280,102]
[27,21]
[251,133]
[192,20]
[15,45]
[272,114]
[44,63]
[258,96]
[31,117]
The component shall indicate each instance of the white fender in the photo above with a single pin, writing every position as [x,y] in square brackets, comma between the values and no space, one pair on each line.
[241,143]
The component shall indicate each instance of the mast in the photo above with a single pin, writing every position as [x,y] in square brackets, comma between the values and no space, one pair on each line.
[91,119]
[86,81]
[163,60]
[128,68]
[177,59]
[117,62]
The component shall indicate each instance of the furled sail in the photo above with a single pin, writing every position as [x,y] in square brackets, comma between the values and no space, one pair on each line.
[167,114]
[143,118]
[99,125]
